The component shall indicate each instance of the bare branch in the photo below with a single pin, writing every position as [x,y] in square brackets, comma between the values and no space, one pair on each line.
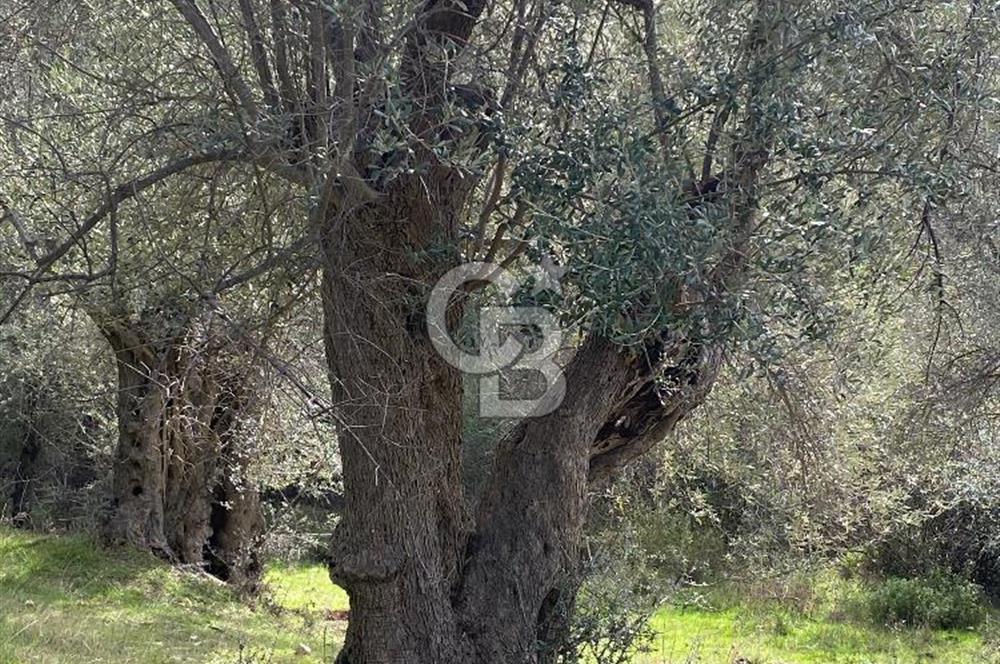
[370,34]
[231,78]
[656,88]
[714,133]
[342,57]
[30,242]
[318,81]
[441,26]
[279,31]
[278,258]
[522,51]
[493,188]
[259,55]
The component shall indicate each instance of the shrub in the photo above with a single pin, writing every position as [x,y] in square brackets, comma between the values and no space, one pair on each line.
[954,528]
[679,549]
[940,601]
[610,622]
[56,441]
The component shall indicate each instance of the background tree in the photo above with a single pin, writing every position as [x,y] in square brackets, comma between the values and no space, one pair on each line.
[175,239]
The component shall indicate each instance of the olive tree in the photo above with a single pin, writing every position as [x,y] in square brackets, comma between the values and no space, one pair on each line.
[676,160]
[162,280]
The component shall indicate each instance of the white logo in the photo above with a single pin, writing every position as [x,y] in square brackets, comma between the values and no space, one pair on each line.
[497,353]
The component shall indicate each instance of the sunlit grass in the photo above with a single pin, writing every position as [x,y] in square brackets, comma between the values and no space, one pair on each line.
[809,630]
[64,600]
[304,587]
[686,635]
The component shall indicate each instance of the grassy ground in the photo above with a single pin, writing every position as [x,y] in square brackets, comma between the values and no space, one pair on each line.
[689,636]
[63,600]
[803,621]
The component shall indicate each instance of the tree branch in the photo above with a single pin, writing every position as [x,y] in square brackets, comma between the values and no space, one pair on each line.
[231,78]
[441,29]
[656,87]
[279,30]
[259,55]
[651,413]
[115,197]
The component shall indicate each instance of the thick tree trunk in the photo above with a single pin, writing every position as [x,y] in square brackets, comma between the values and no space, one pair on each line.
[237,518]
[138,481]
[178,450]
[531,516]
[192,452]
[399,547]
[237,524]
[426,584]
[425,587]
[521,572]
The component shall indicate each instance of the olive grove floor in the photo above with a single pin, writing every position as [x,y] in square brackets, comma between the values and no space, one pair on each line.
[64,600]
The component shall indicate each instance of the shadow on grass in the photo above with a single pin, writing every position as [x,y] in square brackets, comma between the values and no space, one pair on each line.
[67,599]
[60,568]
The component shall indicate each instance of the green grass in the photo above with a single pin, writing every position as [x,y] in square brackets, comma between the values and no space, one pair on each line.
[811,624]
[685,635]
[65,600]
[304,588]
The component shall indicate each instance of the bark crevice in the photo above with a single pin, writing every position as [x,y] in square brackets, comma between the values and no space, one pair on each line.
[176,486]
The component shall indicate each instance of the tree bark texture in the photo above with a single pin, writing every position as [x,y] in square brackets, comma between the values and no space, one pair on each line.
[426,582]
[175,484]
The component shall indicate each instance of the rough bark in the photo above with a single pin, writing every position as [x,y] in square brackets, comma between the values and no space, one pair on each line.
[522,559]
[237,523]
[424,585]
[174,488]
[137,516]
[237,519]
[398,549]
[427,584]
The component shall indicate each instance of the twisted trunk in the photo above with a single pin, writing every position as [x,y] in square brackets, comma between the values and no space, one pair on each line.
[237,518]
[178,451]
[425,584]
[237,523]
[521,577]
[138,481]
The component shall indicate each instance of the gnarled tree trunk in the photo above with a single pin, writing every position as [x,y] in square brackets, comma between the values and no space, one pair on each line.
[399,547]
[237,519]
[175,489]
[428,583]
